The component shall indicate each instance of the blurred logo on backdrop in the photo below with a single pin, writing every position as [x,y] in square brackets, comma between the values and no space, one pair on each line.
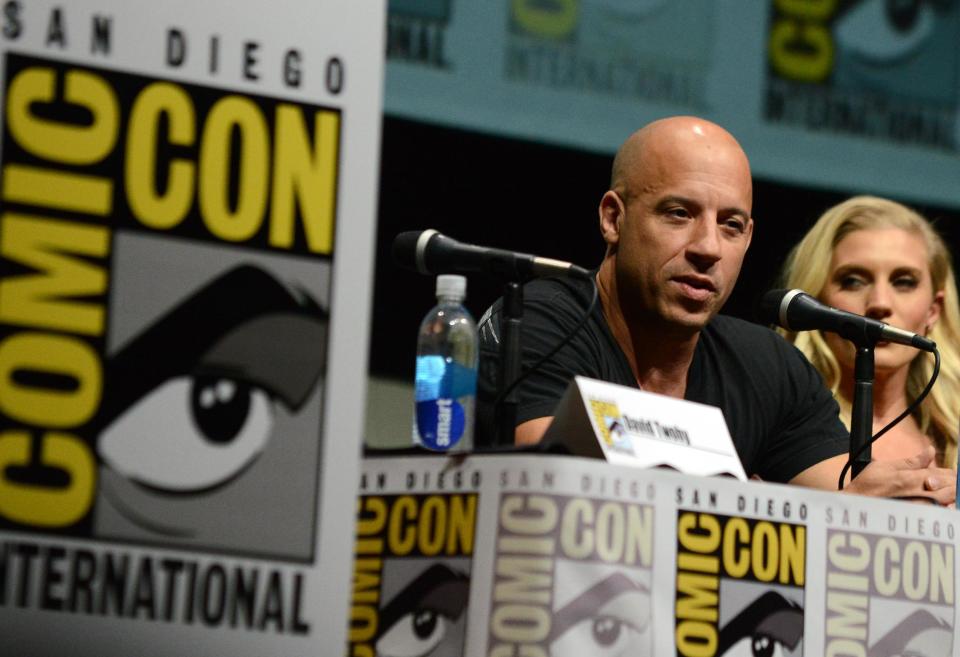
[881,69]
[612,48]
[417,32]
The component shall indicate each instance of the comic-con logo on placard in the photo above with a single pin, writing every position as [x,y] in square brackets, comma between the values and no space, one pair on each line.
[609,422]
[882,70]
[164,285]
[411,579]
[740,586]
[889,596]
[417,32]
[572,577]
[613,48]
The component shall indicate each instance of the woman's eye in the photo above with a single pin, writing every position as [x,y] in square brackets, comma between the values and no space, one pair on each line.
[413,635]
[192,432]
[758,645]
[906,283]
[851,283]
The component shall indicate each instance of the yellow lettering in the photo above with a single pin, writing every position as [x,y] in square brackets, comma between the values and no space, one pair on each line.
[58,142]
[60,355]
[544,20]
[793,548]
[463,514]
[72,192]
[153,208]
[401,538]
[801,52]
[698,532]
[696,639]
[53,298]
[736,558]
[44,506]
[765,552]
[815,10]
[697,597]
[310,179]
[432,525]
[228,114]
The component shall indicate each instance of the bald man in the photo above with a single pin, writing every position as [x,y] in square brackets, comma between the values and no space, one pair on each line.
[677,224]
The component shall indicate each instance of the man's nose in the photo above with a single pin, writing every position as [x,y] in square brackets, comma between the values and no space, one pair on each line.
[704,246]
[878,301]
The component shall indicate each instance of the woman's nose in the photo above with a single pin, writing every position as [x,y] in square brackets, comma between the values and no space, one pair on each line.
[878,302]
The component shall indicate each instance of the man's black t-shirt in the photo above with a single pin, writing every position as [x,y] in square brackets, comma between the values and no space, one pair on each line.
[781,417]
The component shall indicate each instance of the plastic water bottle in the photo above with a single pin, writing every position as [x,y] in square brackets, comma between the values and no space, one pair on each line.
[446,378]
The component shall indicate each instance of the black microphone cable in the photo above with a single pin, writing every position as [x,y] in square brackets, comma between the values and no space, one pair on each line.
[907,411]
[553,351]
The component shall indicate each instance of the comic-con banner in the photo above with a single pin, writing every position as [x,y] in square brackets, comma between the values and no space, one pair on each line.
[172,201]
[542,555]
[848,94]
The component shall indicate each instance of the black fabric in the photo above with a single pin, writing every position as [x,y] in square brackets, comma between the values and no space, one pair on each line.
[781,417]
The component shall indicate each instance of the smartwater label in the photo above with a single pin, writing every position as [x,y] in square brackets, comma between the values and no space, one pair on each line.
[444,402]
[440,422]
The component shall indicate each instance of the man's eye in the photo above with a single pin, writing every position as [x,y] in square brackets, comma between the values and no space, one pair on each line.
[678,212]
[735,225]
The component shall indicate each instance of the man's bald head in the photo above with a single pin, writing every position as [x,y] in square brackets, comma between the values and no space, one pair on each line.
[652,149]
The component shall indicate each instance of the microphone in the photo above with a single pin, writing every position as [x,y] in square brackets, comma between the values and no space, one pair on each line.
[796,310]
[429,252]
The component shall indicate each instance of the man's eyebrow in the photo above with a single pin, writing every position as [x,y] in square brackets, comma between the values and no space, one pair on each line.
[676,199]
[734,211]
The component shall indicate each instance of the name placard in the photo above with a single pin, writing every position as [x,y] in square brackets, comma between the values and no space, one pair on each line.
[627,426]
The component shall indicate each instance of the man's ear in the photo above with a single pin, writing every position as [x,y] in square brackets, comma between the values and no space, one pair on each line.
[611,211]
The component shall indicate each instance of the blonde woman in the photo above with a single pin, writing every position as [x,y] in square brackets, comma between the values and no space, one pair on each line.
[878,258]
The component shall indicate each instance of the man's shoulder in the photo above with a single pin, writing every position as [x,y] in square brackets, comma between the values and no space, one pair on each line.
[736,328]
[745,339]
[556,301]
[555,289]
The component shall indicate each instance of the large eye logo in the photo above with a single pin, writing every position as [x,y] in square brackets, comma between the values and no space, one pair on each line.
[414,634]
[610,619]
[885,30]
[190,433]
[764,628]
[603,636]
[920,634]
[191,401]
[419,617]
[759,645]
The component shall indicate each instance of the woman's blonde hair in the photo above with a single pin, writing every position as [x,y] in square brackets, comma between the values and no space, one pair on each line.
[808,266]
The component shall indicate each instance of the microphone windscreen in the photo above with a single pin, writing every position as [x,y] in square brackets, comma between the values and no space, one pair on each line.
[405,249]
[768,310]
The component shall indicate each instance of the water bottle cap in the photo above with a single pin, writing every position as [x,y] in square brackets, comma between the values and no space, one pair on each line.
[451,285]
